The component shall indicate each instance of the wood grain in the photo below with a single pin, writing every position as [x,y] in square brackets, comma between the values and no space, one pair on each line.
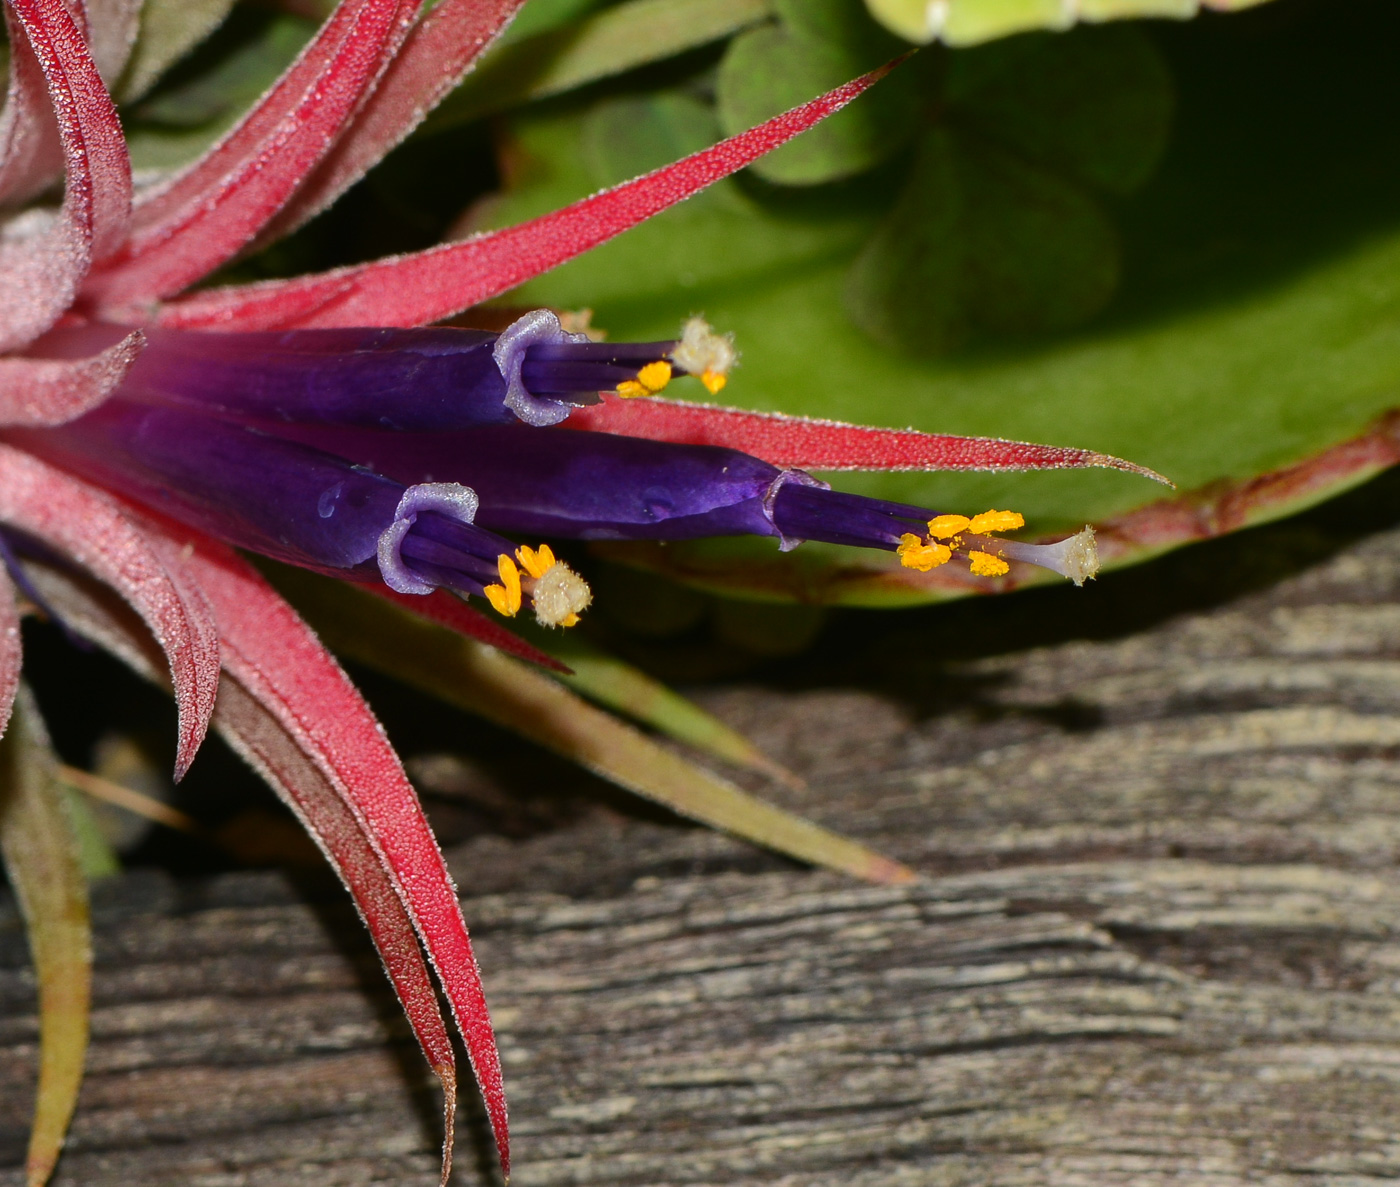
[1159,941]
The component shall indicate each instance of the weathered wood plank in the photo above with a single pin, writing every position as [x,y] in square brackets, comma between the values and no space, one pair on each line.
[1159,942]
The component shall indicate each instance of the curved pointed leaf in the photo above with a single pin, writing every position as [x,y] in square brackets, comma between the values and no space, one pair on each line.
[94,532]
[40,852]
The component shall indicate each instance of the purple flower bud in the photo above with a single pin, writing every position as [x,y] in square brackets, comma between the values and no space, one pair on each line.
[414,380]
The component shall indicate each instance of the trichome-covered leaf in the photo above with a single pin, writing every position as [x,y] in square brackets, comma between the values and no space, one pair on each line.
[42,857]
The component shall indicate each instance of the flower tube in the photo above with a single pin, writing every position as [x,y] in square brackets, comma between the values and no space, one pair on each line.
[420,380]
[601,486]
[302,505]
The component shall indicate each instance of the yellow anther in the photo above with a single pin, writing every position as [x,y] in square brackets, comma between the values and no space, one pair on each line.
[714,381]
[943,526]
[984,564]
[505,598]
[535,561]
[650,379]
[500,602]
[917,553]
[995,521]
[569,620]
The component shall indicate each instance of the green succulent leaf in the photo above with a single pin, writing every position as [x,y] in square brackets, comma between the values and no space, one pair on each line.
[561,54]
[968,22]
[981,240]
[1095,107]
[42,857]
[817,46]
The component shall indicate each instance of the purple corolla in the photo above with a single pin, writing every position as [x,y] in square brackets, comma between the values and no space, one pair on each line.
[402,455]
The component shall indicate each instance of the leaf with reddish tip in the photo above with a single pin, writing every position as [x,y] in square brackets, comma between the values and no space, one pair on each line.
[308,777]
[169,255]
[44,270]
[482,681]
[37,391]
[40,852]
[319,800]
[11,651]
[93,531]
[812,444]
[205,176]
[31,151]
[454,614]
[274,655]
[111,32]
[426,286]
[443,47]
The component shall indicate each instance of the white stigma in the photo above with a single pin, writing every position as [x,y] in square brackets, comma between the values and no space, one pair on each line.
[558,594]
[1075,557]
[701,351]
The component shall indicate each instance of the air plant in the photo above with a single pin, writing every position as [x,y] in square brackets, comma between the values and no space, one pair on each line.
[148,429]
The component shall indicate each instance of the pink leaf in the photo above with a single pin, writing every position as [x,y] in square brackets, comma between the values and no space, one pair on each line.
[829,444]
[111,32]
[206,175]
[197,237]
[31,150]
[426,286]
[275,656]
[89,528]
[454,614]
[443,47]
[256,733]
[310,789]
[10,651]
[39,391]
[43,271]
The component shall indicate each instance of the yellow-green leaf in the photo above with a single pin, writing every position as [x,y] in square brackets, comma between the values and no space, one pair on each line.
[42,859]
[610,42]
[512,694]
[169,30]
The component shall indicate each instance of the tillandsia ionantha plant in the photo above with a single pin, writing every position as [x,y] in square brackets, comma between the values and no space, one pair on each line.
[148,429]
[313,420]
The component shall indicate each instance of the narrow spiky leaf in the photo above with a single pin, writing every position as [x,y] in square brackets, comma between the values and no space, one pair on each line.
[309,781]
[427,286]
[171,254]
[35,391]
[498,688]
[811,444]
[41,856]
[442,48]
[95,533]
[44,269]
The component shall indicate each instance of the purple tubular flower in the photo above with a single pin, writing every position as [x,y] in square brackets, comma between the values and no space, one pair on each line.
[280,498]
[426,380]
[600,486]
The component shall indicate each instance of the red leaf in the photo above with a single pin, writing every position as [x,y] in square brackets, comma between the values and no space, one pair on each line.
[275,656]
[89,528]
[829,444]
[442,48]
[426,286]
[31,150]
[43,270]
[11,655]
[218,221]
[37,391]
[453,613]
[311,790]
[242,142]
[312,794]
